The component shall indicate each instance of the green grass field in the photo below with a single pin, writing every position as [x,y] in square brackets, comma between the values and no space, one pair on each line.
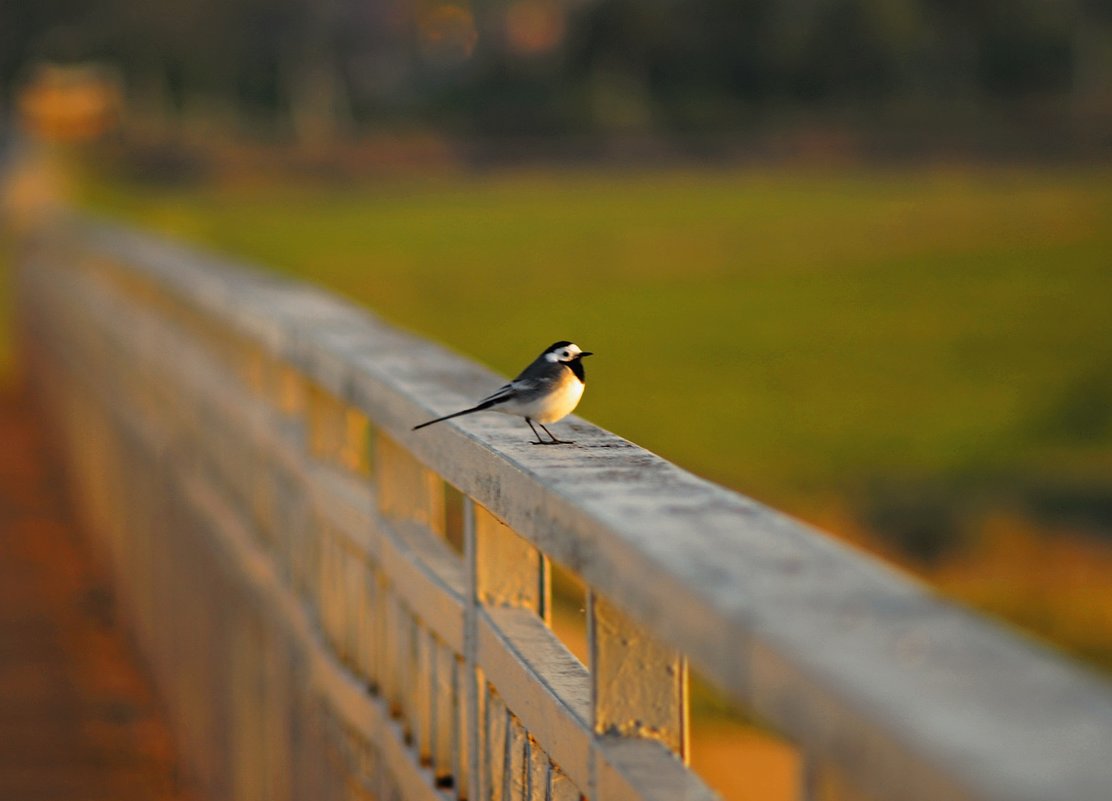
[789,334]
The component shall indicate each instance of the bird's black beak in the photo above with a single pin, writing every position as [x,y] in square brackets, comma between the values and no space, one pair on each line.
[585,353]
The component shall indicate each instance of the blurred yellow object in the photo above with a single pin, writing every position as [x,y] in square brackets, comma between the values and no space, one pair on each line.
[32,188]
[69,103]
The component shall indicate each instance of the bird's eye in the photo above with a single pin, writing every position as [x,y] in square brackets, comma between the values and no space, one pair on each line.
[565,354]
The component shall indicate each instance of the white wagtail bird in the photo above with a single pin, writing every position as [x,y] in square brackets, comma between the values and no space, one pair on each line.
[545,391]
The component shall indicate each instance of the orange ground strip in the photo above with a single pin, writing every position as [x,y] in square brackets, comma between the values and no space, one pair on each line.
[77,718]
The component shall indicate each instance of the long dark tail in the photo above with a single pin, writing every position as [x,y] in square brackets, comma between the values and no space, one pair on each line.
[478,408]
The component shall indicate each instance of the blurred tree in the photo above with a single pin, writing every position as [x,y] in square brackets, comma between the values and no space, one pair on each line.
[32,32]
[315,67]
[1025,47]
[1092,58]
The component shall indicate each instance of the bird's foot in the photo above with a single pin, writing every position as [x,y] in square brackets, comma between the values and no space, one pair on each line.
[552,442]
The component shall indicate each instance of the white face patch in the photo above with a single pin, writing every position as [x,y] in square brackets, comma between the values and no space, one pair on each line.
[564,354]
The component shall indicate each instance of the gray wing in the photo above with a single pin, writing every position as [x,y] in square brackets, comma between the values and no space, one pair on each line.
[532,379]
[519,389]
[503,394]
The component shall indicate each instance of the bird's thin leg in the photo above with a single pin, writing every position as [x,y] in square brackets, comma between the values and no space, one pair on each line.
[535,434]
[554,440]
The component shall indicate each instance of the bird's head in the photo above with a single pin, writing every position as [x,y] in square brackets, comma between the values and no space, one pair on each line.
[565,352]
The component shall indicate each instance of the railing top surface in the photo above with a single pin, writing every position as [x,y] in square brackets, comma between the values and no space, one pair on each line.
[811,634]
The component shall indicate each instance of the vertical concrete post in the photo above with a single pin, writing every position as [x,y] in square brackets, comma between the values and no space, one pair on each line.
[639,687]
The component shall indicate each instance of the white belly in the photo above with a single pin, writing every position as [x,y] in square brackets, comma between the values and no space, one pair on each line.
[557,405]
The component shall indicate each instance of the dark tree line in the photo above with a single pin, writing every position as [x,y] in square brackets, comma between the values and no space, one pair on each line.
[573,65]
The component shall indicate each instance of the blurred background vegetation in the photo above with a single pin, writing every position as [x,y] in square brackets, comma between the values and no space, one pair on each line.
[863,249]
[900,74]
[851,257]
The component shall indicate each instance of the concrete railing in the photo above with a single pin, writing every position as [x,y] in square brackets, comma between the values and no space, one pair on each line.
[337,607]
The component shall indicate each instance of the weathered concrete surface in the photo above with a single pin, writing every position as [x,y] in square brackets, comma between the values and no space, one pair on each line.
[77,716]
